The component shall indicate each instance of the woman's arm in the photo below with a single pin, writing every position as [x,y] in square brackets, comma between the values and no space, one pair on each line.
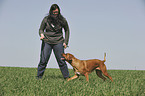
[67,32]
[42,28]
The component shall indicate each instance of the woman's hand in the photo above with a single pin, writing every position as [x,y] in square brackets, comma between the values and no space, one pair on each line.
[42,36]
[65,46]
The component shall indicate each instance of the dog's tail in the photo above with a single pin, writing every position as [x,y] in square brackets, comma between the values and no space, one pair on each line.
[104,57]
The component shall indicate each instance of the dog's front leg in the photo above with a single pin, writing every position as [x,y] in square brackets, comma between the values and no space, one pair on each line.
[74,77]
[87,76]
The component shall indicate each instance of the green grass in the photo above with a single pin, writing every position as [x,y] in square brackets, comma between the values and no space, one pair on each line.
[22,82]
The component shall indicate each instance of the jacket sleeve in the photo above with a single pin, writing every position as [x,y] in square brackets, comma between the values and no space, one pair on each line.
[67,32]
[42,26]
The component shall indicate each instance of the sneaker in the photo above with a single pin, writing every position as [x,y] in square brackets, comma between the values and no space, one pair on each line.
[66,78]
[38,77]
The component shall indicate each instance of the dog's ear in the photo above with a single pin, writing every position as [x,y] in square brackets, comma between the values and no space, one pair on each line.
[70,57]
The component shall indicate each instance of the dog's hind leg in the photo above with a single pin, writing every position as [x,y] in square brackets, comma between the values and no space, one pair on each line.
[104,71]
[99,73]
[106,74]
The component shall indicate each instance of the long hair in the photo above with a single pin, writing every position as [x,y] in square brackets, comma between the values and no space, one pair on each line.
[57,21]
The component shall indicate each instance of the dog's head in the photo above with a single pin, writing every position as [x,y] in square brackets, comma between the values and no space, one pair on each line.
[68,57]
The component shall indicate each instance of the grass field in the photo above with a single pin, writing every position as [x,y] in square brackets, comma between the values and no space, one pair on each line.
[22,82]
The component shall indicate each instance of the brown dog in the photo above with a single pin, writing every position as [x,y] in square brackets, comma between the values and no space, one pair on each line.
[85,67]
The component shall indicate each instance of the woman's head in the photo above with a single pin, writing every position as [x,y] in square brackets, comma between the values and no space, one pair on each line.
[54,10]
[55,16]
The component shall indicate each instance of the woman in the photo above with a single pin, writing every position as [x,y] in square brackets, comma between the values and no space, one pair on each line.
[52,38]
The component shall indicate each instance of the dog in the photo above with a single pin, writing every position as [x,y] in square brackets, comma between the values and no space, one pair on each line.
[85,67]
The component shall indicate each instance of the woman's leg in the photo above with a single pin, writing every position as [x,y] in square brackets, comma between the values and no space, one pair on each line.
[58,50]
[46,50]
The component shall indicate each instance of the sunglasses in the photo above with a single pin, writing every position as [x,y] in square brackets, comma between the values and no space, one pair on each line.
[55,12]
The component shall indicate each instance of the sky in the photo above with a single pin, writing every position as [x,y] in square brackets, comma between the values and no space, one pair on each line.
[116,27]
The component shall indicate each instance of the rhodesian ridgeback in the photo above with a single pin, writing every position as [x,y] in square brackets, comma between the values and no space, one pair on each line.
[85,67]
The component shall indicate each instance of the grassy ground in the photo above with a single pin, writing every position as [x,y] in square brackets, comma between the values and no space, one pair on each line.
[22,82]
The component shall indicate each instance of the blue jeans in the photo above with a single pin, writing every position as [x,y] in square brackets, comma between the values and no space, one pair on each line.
[46,50]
